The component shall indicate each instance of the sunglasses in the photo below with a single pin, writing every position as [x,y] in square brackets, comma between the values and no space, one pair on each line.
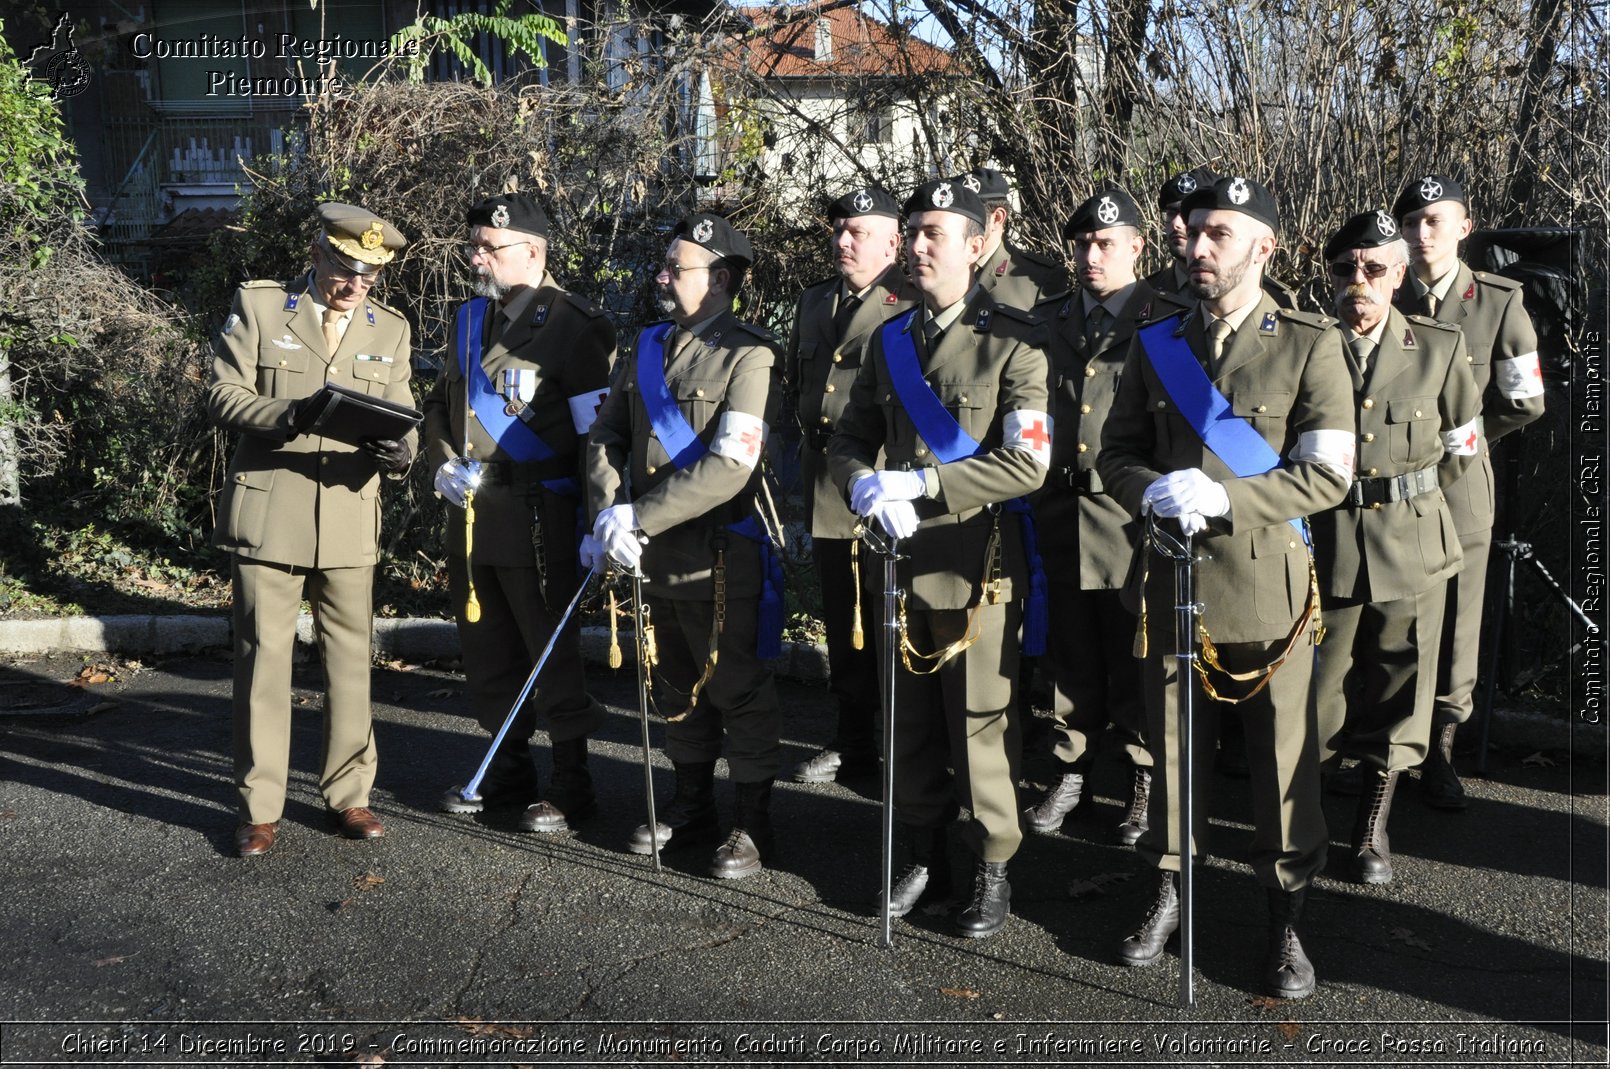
[1346,269]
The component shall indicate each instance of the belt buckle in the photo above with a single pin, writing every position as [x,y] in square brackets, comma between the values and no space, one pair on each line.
[1405,491]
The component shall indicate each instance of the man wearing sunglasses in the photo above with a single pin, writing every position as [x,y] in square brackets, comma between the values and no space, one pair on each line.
[527,367]
[1386,553]
[300,513]
[1502,345]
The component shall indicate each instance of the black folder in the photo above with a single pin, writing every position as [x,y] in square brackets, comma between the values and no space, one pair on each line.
[350,416]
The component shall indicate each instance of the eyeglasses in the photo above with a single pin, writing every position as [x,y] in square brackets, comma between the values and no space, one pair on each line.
[342,275]
[1347,268]
[677,270]
[470,251]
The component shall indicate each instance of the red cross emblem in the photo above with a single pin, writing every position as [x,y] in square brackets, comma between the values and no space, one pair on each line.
[1036,435]
[1470,442]
[751,441]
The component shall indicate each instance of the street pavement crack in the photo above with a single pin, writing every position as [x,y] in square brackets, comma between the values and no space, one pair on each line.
[492,937]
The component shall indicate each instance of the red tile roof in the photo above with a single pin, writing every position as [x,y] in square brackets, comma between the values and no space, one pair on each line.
[785,44]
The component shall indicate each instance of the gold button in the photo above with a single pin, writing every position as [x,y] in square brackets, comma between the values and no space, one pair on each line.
[1162,405]
[1368,437]
[324,460]
[1291,545]
[240,478]
[649,470]
[826,421]
[699,392]
[1470,360]
[282,363]
[1085,409]
[1417,413]
[1083,448]
[1090,372]
[1261,408]
[838,358]
[1373,471]
[1375,506]
[921,452]
[652,433]
[1369,403]
[832,388]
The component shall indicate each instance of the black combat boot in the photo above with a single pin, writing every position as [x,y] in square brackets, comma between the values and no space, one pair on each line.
[1439,783]
[750,838]
[1136,822]
[569,798]
[1287,971]
[1145,944]
[925,876]
[1064,799]
[510,780]
[1372,848]
[986,912]
[691,816]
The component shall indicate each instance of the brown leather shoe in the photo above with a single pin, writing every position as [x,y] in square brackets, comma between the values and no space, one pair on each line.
[360,823]
[254,839]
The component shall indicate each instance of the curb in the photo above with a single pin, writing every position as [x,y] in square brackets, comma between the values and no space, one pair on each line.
[411,638]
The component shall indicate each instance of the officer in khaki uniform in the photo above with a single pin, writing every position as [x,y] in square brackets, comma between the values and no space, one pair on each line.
[527,367]
[1011,276]
[301,513]
[1283,376]
[1385,553]
[672,477]
[980,369]
[833,323]
[1174,278]
[1501,345]
[1087,539]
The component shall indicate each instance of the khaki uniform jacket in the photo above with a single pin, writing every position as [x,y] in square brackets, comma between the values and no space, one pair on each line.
[1284,372]
[1418,388]
[1087,538]
[570,344]
[1488,309]
[991,361]
[729,367]
[1018,279]
[820,368]
[305,501]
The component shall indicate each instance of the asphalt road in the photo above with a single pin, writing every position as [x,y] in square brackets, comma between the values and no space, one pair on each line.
[134,936]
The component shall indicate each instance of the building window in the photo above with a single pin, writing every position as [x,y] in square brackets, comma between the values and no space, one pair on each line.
[877,125]
[824,41]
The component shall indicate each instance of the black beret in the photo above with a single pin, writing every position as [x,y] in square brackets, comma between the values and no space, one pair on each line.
[867,200]
[1366,230]
[1236,194]
[990,184]
[1107,208]
[712,232]
[510,211]
[1184,184]
[946,195]
[1426,191]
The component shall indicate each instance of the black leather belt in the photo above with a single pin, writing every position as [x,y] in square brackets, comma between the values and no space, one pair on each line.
[1084,482]
[1365,493]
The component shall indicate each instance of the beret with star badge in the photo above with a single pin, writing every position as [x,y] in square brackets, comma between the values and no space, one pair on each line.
[867,200]
[1107,208]
[712,232]
[1366,230]
[1426,191]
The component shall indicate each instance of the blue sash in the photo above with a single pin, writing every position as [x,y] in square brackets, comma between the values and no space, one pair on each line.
[488,404]
[949,442]
[684,447]
[1226,435]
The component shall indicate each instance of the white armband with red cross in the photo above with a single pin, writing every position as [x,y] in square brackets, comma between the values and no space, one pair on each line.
[741,437]
[584,409]
[1029,431]
[1334,449]
[1519,377]
[1463,439]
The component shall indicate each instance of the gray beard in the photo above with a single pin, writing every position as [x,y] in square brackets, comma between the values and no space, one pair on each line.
[485,286]
[665,306]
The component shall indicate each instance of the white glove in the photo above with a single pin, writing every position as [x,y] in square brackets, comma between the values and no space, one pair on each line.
[456,478]
[877,487]
[899,518]
[1192,524]
[591,552]
[616,529]
[1180,492]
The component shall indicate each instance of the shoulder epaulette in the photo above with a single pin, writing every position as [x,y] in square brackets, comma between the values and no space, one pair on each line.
[1039,259]
[261,283]
[582,304]
[1427,321]
[760,332]
[1497,281]
[1163,314]
[1023,314]
[386,308]
[1310,319]
[1055,298]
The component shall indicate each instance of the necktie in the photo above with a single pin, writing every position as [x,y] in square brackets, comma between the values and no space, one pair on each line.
[1363,349]
[1094,323]
[844,313]
[332,330]
[1218,333]
[1431,303]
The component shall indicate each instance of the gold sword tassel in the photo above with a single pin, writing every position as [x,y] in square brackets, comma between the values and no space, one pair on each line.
[472,604]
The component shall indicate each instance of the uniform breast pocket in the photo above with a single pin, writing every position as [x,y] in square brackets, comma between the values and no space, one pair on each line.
[698,399]
[972,403]
[1267,409]
[1279,573]
[1413,423]
[282,372]
[1439,542]
[374,371]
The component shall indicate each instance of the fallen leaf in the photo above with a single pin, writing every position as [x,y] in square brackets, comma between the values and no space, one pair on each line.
[1095,884]
[1291,1030]
[1407,937]
[116,959]
[958,992]
[368,881]
[151,584]
[998,1016]
[1264,1002]
[1539,760]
